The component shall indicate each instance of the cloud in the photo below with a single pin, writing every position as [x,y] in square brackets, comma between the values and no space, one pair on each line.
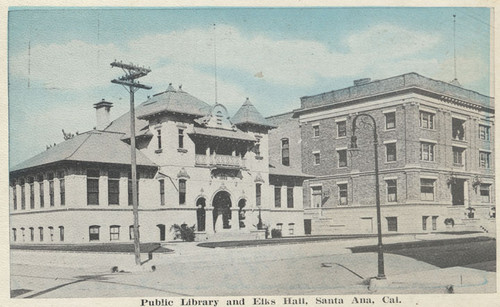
[73,65]
[386,49]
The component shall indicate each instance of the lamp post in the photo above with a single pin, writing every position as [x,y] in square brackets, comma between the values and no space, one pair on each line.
[354,146]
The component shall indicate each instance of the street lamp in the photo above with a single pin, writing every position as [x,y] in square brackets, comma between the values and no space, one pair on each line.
[354,147]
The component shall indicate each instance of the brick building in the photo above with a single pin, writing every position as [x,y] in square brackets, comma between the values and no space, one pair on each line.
[196,165]
[435,149]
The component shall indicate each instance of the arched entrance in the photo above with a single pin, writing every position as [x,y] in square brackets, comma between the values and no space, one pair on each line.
[222,211]
[200,214]
[241,212]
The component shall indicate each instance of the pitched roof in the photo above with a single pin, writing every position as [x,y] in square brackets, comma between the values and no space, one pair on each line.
[122,125]
[91,146]
[281,170]
[248,114]
[173,101]
[223,133]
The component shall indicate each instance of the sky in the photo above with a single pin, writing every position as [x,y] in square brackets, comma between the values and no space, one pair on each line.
[58,58]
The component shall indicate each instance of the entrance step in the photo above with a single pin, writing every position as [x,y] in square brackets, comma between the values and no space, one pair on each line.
[236,236]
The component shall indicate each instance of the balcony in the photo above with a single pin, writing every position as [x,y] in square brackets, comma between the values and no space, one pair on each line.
[219,161]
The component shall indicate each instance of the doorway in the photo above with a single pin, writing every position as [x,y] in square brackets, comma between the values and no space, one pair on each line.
[200,214]
[307,226]
[222,211]
[161,229]
[457,192]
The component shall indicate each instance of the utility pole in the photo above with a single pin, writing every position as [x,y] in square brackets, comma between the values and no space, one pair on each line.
[133,72]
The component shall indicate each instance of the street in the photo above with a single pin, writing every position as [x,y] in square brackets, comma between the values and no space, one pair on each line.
[292,269]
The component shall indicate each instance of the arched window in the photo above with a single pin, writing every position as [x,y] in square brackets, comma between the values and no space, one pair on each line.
[51,233]
[182,191]
[94,233]
[32,234]
[61,233]
[41,233]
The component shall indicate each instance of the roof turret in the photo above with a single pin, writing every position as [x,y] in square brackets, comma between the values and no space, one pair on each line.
[249,115]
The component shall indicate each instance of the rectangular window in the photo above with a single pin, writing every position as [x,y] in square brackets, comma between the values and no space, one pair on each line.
[256,149]
[23,196]
[426,151]
[277,197]
[458,129]
[279,226]
[92,187]
[484,159]
[51,189]
[342,157]
[162,192]
[426,120]
[181,138]
[285,152]
[316,197]
[392,191]
[14,234]
[291,228]
[32,195]
[484,191]
[41,233]
[434,222]
[458,159]
[62,189]
[158,137]
[113,187]
[390,150]
[42,192]
[392,223]
[316,131]
[182,191]
[427,189]
[424,222]
[342,194]
[32,234]
[14,196]
[484,132]
[341,129]
[114,233]
[390,120]
[317,158]
[258,196]
[289,197]
[94,233]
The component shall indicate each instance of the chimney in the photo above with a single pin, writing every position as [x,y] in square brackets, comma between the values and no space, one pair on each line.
[362,81]
[102,114]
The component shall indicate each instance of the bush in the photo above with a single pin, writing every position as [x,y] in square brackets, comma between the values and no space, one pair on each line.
[276,233]
[183,232]
[449,221]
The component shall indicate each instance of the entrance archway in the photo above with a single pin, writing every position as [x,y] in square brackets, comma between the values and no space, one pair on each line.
[222,211]
[200,214]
